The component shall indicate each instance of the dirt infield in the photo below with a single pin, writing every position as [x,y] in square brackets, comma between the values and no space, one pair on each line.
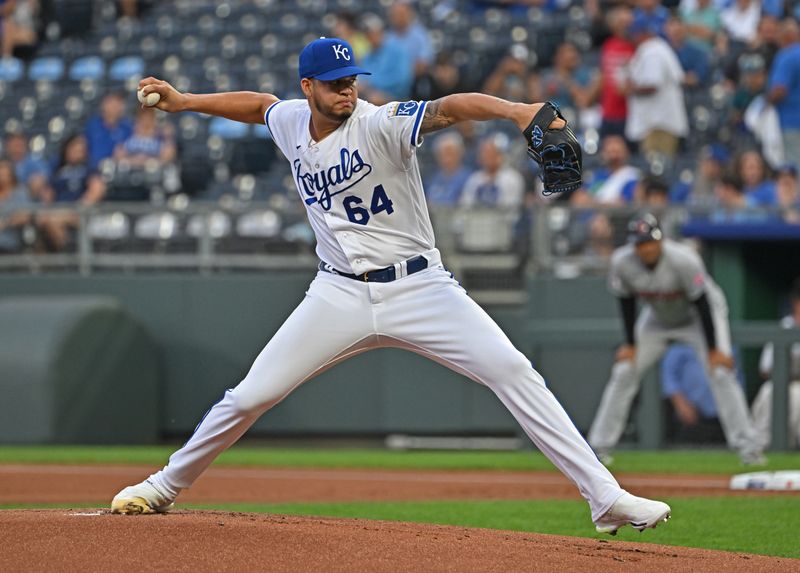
[94,540]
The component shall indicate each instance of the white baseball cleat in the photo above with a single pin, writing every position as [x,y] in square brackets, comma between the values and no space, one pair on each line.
[753,458]
[638,512]
[141,498]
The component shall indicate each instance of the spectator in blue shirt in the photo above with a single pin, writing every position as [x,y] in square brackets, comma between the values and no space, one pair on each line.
[108,129]
[150,142]
[445,185]
[31,171]
[759,189]
[733,206]
[74,182]
[615,182]
[390,64]
[655,14]
[685,384]
[411,35]
[699,190]
[694,59]
[784,89]
[569,83]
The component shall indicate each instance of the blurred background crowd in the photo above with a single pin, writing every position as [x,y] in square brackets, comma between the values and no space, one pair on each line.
[693,104]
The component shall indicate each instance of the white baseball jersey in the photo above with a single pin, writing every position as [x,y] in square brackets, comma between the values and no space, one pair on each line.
[361,184]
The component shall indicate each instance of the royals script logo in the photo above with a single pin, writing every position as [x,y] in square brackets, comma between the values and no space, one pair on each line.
[321,186]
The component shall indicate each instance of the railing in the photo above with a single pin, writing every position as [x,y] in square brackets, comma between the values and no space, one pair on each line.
[493,244]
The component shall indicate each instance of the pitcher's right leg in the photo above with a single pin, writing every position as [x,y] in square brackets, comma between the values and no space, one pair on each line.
[332,323]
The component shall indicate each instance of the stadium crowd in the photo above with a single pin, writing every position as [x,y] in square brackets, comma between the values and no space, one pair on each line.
[694,103]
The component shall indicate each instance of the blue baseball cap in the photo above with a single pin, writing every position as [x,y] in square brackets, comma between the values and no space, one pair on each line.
[328,59]
[717,152]
[641,24]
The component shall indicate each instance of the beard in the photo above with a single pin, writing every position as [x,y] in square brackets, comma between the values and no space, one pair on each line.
[342,115]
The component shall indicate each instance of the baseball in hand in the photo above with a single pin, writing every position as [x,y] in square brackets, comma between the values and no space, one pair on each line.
[148,100]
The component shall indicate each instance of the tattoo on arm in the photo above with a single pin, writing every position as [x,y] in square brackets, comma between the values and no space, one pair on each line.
[434,119]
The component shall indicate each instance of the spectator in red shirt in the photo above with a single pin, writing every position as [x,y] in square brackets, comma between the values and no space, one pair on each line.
[614,55]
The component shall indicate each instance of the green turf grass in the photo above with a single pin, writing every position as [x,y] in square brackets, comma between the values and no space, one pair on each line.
[766,525]
[694,461]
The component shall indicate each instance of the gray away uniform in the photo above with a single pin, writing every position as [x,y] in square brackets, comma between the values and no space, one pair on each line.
[668,292]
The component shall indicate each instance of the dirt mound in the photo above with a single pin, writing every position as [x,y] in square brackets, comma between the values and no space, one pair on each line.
[94,540]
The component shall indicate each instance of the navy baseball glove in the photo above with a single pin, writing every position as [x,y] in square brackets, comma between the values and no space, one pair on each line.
[557,151]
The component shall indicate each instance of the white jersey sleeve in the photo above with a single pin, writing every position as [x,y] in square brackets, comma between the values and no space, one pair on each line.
[283,118]
[395,131]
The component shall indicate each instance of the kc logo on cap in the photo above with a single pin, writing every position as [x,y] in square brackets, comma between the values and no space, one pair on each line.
[328,59]
[342,51]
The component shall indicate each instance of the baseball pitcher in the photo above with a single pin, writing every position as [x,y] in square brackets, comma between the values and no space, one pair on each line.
[381,282]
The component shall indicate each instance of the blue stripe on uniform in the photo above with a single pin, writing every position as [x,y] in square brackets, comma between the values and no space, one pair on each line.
[266,117]
[206,415]
[415,130]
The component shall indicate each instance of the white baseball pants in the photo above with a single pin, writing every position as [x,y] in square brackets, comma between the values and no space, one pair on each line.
[762,413]
[428,313]
[652,340]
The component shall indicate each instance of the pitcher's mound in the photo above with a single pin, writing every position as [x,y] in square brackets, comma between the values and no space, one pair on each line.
[95,540]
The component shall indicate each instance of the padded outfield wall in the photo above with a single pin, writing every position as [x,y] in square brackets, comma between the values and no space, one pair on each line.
[207,330]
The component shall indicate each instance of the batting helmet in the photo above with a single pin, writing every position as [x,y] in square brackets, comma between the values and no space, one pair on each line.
[644,228]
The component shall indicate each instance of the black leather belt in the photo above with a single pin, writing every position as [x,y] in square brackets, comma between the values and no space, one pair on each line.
[385,275]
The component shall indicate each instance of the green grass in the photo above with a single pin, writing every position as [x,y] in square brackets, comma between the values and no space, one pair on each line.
[695,461]
[765,525]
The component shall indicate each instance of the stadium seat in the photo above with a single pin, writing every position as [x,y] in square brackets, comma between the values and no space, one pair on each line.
[216,224]
[125,68]
[74,107]
[485,231]
[156,226]
[48,68]
[228,129]
[150,47]
[109,226]
[259,224]
[208,25]
[87,67]
[11,69]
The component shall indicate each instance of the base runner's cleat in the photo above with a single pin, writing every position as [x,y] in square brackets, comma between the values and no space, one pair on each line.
[638,512]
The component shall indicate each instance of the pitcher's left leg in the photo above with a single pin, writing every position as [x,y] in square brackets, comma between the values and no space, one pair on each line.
[441,322]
